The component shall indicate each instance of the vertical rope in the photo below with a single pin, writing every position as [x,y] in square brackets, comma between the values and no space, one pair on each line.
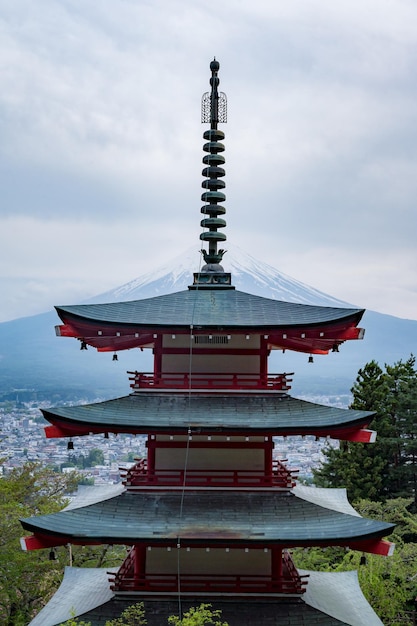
[187,450]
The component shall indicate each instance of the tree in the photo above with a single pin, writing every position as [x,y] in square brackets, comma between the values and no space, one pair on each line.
[29,579]
[95,457]
[26,578]
[407,419]
[385,469]
[389,584]
[200,616]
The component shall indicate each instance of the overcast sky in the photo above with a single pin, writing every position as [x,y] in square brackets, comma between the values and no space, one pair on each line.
[101,143]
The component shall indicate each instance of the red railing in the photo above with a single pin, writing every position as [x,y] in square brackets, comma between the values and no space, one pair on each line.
[289,583]
[168,583]
[126,568]
[184,381]
[139,476]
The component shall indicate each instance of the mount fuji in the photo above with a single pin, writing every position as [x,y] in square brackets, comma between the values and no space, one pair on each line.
[248,274]
[33,358]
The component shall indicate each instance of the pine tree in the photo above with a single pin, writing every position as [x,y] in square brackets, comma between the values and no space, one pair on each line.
[407,419]
[387,468]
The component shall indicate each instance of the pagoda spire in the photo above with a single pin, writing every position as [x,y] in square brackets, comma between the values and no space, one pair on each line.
[213,111]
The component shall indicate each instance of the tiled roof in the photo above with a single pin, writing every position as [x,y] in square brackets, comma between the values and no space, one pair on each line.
[335,499]
[213,516]
[236,612]
[155,412]
[229,308]
[339,594]
[89,494]
[82,589]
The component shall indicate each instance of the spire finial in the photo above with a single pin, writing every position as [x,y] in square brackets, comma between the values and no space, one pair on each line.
[213,111]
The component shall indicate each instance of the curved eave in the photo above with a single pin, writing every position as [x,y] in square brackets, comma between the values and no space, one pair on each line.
[209,414]
[126,325]
[219,518]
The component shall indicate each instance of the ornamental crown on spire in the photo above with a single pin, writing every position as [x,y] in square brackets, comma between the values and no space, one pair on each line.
[213,112]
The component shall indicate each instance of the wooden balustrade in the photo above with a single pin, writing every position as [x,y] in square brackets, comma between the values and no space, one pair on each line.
[209,583]
[288,582]
[139,476]
[185,381]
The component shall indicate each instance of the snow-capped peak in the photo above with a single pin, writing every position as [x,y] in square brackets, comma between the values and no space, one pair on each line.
[248,274]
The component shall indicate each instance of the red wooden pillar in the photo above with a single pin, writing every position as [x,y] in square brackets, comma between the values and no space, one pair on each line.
[263,357]
[139,566]
[151,455]
[157,361]
[276,567]
[269,446]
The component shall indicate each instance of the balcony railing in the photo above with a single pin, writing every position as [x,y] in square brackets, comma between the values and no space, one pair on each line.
[141,381]
[289,583]
[168,583]
[140,476]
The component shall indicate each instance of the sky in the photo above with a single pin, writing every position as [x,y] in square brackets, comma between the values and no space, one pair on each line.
[101,143]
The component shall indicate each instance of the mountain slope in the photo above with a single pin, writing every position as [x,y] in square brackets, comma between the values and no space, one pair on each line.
[248,274]
[32,357]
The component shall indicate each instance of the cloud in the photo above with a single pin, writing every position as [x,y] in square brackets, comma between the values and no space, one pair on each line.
[102,141]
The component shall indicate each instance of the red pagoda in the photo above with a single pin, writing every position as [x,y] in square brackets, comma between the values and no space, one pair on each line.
[210,515]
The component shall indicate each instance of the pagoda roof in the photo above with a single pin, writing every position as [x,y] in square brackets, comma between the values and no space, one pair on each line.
[208,308]
[273,414]
[124,325]
[339,594]
[82,589]
[85,594]
[214,517]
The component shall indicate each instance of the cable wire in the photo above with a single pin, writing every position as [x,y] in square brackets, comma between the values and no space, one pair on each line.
[187,448]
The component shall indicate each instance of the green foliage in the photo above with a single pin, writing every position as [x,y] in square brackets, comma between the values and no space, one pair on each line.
[27,578]
[74,622]
[199,616]
[93,458]
[135,616]
[132,616]
[87,480]
[381,479]
[387,468]
[98,556]
[388,583]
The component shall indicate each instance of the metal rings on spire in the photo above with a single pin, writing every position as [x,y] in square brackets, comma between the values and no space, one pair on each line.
[213,111]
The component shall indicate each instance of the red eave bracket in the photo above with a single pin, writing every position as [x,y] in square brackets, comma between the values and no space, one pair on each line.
[352,333]
[57,432]
[40,542]
[65,330]
[54,432]
[362,435]
[380,546]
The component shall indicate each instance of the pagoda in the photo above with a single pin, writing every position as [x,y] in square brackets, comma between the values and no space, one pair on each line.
[211,514]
